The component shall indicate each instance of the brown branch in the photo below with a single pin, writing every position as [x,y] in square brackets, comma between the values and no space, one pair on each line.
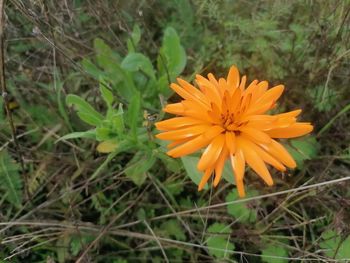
[4,92]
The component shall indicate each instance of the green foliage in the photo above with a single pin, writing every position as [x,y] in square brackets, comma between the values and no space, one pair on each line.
[335,246]
[78,242]
[138,166]
[219,240]
[303,149]
[274,254]
[241,211]
[10,180]
[190,164]
[134,62]
[172,229]
[118,61]
[171,60]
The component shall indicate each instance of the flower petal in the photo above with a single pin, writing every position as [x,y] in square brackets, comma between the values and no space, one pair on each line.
[295,130]
[176,123]
[230,139]
[266,157]
[255,135]
[211,153]
[219,166]
[233,78]
[174,108]
[197,143]
[209,89]
[271,95]
[255,162]
[192,90]
[238,166]
[183,133]
[280,153]
[205,178]
[243,82]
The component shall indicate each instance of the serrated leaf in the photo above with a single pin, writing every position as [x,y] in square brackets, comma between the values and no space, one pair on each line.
[138,62]
[172,228]
[303,149]
[272,253]
[219,239]
[10,179]
[190,164]
[334,246]
[138,166]
[240,210]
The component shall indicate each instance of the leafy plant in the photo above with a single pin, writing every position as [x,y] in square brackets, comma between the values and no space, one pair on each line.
[220,239]
[243,212]
[334,246]
[10,180]
[303,149]
[133,80]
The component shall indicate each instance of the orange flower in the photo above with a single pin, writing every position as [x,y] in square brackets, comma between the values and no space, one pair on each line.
[230,120]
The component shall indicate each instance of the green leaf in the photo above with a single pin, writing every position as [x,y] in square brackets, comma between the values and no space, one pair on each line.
[172,56]
[106,58]
[85,111]
[271,253]
[89,119]
[172,228]
[136,34]
[107,95]
[134,38]
[118,121]
[227,173]
[138,62]
[190,164]
[134,114]
[303,149]
[103,133]
[90,134]
[10,180]
[77,243]
[91,68]
[219,240]
[171,164]
[240,210]
[138,166]
[334,246]
[163,86]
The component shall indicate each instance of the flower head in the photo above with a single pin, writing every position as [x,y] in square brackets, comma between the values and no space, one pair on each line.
[231,122]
